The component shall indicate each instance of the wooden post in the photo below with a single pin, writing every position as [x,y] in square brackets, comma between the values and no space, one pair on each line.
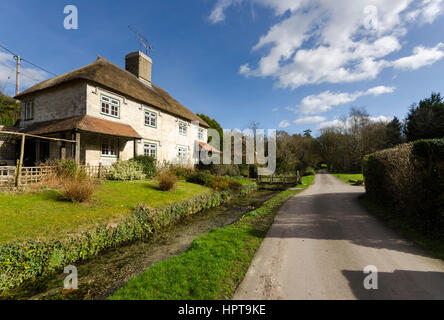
[100,170]
[20,163]
[77,154]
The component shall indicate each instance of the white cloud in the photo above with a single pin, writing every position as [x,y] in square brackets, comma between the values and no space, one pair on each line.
[29,76]
[218,13]
[284,124]
[326,100]
[427,11]
[347,123]
[308,120]
[421,57]
[318,41]
[276,109]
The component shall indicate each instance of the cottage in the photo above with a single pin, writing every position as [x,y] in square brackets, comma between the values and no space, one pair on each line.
[112,113]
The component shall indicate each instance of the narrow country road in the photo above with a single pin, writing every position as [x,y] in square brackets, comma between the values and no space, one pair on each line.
[320,243]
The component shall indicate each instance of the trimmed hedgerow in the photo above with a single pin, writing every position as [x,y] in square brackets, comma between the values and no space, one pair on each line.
[409,179]
[24,261]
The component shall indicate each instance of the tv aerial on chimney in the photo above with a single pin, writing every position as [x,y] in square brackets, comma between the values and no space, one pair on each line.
[143,42]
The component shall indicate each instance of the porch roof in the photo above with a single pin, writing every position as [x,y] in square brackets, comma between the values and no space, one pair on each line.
[208,147]
[83,123]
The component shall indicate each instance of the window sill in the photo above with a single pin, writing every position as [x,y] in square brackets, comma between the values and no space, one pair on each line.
[108,115]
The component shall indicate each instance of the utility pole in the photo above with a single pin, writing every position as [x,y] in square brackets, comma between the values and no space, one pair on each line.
[17,75]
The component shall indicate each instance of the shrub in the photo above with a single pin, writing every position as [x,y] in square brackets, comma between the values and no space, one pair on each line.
[67,168]
[180,170]
[215,182]
[225,170]
[148,164]
[126,170]
[78,189]
[309,172]
[200,177]
[167,180]
[409,179]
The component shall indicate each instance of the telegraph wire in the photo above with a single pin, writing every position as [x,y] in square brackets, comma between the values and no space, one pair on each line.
[23,59]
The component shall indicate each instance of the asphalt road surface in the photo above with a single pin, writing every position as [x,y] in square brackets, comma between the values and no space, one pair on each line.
[320,243]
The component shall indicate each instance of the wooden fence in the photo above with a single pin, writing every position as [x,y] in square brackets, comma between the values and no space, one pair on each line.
[280,179]
[8,175]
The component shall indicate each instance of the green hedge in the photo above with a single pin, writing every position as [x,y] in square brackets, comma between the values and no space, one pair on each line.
[409,179]
[28,260]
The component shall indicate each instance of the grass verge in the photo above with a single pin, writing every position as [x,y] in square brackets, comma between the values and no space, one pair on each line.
[403,227]
[214,265]
[346,177]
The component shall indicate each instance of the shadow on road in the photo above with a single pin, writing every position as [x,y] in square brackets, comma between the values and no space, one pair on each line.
[337,216]
[400,284]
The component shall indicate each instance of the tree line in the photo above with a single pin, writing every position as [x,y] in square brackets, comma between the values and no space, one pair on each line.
[343,146]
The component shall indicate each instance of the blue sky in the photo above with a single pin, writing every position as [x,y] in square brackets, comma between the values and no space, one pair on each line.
[292,64]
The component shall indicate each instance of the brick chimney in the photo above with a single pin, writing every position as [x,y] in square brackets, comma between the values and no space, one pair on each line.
[139,64]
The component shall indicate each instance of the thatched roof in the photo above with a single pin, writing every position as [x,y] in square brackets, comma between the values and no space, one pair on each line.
[107,74]
[83,123]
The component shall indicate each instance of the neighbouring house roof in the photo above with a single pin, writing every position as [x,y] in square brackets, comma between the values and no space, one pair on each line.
[117,79]
[83,123]
[208,147]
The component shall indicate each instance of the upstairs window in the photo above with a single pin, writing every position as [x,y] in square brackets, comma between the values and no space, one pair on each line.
[110,106]
[182,153]
[109,148]
[29,110]
[150,149]
[150,119]
[183,127]
[201,134]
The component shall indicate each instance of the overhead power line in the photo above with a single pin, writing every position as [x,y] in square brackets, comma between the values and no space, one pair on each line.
[23,59]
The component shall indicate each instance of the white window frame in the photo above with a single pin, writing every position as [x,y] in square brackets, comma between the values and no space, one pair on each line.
[183,128]
[200,134]
[150,116]
[182,153]
[149,149]
[29,110]
[111,150]
[109,106]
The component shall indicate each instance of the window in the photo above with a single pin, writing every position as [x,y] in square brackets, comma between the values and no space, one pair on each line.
[109,148]
[150,149]
[29,110]
[150,119]
[182,153]
[183,127]
[110,106]
[201,134]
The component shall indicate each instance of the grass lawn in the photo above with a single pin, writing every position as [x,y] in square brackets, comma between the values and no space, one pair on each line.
[348,176]
[43,215]
[214,265]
